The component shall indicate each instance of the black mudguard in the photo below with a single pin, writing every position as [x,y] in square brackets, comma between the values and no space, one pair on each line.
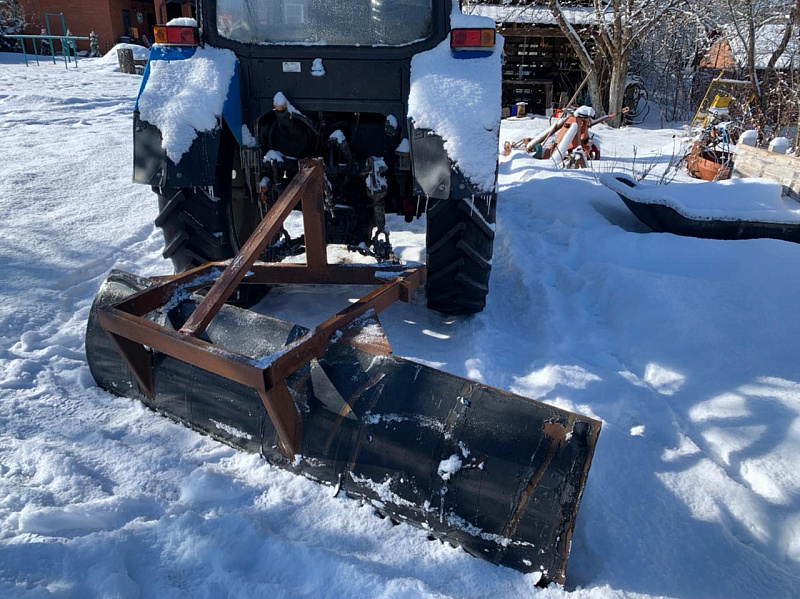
[382,427]
[435,175]
[151,165]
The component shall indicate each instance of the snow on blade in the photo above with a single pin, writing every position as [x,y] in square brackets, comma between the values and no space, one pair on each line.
[460,100]
[185,97]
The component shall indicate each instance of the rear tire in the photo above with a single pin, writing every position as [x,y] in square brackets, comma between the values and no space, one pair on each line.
[199,227]
[459,241]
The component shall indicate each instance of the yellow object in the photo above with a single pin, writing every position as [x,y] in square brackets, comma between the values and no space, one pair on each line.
[720,102]
[728,88]
[160,34]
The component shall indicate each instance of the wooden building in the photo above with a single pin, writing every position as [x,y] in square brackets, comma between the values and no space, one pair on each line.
[540,65]
[172,9]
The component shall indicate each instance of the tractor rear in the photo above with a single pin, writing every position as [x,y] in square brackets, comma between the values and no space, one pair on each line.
[325,79]
[338,109]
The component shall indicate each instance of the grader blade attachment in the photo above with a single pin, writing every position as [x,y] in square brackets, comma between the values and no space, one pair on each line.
[498,474]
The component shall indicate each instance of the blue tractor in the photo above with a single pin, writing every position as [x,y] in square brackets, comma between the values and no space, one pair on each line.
[362,85]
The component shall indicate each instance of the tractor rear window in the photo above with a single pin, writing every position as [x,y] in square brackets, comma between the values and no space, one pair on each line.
[325,22]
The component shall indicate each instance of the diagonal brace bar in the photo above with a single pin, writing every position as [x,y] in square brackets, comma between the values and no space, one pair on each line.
[309,180]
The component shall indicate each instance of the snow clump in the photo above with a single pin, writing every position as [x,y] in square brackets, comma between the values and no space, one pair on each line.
[280,102]
[247,138]
[317,68]
[337,137]
[447,468]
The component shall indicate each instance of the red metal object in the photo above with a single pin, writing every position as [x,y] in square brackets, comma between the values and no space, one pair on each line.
[582,139]
[137,338]
[708,164]
[175,36]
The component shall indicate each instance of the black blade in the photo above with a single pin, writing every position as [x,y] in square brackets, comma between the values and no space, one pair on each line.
[499,474]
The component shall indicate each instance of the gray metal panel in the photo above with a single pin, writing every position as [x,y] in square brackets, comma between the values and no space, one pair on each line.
[431,166]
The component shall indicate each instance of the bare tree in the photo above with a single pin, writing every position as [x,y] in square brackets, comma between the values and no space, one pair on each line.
[619,25]
[763,37]
[763,30]
[589,63]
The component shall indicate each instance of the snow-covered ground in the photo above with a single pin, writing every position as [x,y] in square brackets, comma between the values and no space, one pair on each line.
[686,348]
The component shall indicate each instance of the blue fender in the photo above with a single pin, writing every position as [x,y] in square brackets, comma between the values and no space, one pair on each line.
[197,167]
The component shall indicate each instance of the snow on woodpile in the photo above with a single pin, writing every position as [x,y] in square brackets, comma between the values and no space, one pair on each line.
[185,97]
[460,100]
[757,200]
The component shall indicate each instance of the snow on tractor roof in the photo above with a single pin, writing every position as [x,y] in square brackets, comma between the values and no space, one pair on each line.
[533,14]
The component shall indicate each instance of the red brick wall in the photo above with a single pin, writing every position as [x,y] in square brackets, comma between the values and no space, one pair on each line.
[82,17]
[104,17]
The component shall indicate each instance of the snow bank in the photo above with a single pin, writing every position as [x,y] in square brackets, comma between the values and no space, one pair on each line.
[756,200]
[460,100]
[110,58]
[185,97]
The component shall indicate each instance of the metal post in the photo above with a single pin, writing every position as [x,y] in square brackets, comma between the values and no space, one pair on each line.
[49,33]
[67,42]
[65,51]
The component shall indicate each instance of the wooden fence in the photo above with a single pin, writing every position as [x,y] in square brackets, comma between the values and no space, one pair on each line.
[755,162]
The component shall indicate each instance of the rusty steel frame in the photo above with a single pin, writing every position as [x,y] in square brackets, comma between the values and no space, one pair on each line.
[136,338]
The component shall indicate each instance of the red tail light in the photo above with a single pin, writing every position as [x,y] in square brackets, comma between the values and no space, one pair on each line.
[175,36]
[472,38]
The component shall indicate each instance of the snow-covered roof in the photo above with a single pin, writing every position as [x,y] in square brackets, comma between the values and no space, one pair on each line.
[768,37]
[531,14]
